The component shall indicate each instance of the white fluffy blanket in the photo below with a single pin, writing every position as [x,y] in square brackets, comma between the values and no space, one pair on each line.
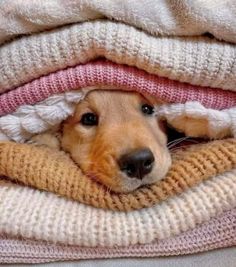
[159,17]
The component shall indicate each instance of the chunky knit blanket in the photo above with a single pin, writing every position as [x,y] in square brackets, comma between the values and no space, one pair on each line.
[219,232]
[37,214]
[46,115]
[30,116]
[53,171]
[106,74]
[181,59]
[183,55]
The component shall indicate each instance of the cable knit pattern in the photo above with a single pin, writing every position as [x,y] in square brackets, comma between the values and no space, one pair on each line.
[105,73]
[36,214]
[218,124]
[29,120]
[46,115]
[196,60]
[55,172]
[217,233]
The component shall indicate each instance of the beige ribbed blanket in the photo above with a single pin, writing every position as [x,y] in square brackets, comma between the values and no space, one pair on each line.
[217,233]
[196,60]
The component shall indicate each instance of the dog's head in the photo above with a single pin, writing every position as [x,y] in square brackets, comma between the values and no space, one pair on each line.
[115,138]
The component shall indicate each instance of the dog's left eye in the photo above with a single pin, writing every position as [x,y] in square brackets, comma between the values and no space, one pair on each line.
[89,119]
[147,109]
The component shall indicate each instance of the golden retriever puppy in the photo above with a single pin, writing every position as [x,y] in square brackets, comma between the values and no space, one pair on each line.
[115,139]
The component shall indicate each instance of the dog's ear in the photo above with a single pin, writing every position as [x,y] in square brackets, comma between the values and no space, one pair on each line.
[72,119]
[163,125]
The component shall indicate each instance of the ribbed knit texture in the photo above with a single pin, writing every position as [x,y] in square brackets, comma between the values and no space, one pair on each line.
[35,214]
[196,60]
[28,120]
[217,233]
[43,70]
[55,172]
[114,76]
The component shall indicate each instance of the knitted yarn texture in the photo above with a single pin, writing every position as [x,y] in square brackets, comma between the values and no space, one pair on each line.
[48,114]
[29,120]
[55,172]
[114,76]
[182,59]
[184,118]
[18,17]
[37,214]
[39,76]
[219,232]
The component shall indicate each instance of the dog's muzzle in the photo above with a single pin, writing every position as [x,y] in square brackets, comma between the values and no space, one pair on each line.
[137,163]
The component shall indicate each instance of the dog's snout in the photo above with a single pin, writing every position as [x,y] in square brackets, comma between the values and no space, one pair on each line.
[137,163]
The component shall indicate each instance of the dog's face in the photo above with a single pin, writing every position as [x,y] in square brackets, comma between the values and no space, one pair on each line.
[115,139]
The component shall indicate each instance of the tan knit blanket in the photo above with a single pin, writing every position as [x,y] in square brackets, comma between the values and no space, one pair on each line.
[54,171]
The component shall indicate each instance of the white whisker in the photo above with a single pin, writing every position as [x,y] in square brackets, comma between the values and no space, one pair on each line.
[177,141]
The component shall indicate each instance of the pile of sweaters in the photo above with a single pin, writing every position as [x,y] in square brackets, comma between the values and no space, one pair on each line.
[52,53]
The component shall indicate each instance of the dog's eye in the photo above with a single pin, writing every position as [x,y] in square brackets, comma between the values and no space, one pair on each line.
[147,109]
[89,119]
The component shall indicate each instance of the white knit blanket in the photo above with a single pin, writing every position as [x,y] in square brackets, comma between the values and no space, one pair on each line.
[159,17]
[37,214]
[195,60]
[29,120]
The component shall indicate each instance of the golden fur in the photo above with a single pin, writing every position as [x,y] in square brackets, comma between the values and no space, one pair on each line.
[122,128]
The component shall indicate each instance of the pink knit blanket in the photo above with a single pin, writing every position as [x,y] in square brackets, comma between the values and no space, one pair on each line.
[115,76]
[217,233]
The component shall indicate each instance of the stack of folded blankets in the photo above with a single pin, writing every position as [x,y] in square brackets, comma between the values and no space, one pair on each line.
[51,54]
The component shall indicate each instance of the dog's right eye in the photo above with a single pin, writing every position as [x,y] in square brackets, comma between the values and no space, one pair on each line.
[89,119]
[147,109]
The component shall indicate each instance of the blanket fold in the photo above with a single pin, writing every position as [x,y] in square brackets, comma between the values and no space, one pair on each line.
[105,73]
[181,59]
[55,172]
[217,233]
[191,118]
[182,55]
[41,215]
[182,17]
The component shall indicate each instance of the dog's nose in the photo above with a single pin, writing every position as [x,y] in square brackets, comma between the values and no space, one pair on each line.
[138,163]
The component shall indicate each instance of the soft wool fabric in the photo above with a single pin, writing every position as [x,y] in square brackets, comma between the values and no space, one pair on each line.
[217,233]
[35,214]
[162,17]
[30,213]
[55,172]
[183,117]
[196,60]
[105,73]
[48,114]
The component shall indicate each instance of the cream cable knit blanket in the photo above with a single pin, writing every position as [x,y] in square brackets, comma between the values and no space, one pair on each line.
[29,120]
[33,119]
[196,60]
[159,17]
[35,214]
